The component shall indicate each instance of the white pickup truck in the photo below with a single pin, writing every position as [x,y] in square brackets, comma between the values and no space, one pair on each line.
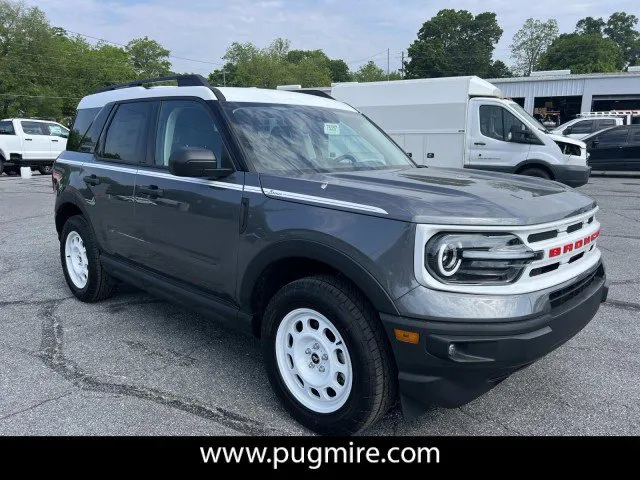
[30,143]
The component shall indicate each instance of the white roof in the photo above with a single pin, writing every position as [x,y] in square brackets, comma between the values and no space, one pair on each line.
[232,94]
[414,92]
[30,120]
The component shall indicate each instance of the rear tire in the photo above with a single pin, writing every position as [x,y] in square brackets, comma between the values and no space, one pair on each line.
[1,165]
[535,172]
[45,169]
[12,171]
[81,265]
[327,355]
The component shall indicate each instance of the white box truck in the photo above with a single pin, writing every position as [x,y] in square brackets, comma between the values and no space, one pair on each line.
[464,122]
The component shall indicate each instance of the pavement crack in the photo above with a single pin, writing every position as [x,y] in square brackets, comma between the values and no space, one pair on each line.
[39,404]
[629,306]
[52,355]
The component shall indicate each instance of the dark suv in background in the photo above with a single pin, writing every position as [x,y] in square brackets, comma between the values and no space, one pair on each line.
[615,149]
[294,218]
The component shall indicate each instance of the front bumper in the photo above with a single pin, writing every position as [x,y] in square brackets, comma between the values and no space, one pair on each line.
[572,175]
[457,361]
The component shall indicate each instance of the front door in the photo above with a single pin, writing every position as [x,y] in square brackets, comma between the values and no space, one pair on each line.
[494,137]
[37,145]
[606,151]
[189,227]
[632,150]
[58,139]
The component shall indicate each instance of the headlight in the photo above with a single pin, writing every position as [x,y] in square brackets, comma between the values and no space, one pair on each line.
[477,258]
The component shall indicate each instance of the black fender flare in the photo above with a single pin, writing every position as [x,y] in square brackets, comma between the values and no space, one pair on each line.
[73,197]
[320,252]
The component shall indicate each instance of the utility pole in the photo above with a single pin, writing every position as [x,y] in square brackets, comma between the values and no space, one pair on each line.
[402,65]
[387,64]
[224,78]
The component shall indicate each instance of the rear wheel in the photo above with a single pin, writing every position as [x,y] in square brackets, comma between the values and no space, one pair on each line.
[45,169]
[12,171]
[81,262]
[327,356]
[1,165]
[536,172]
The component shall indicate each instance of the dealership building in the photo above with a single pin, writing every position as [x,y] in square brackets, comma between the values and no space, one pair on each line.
[563,94]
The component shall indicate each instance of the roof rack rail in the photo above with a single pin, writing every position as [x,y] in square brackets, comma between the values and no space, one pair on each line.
[183,81]
[317,93]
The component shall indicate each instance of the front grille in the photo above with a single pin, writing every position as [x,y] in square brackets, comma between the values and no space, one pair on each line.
[565,294]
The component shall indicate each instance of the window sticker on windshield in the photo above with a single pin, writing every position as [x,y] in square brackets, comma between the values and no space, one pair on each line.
[332,129]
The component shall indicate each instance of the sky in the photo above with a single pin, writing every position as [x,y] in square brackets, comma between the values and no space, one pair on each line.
[355,30]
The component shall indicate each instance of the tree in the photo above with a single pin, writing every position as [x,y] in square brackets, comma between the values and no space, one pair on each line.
[583,54]
[370,72]
[148,58]
[339,71]
[250,66]
[499,70]
[590,26]
[530,42]
[452,43]
[621,29]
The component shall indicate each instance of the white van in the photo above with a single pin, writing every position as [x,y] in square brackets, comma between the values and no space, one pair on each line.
[582,127]
[464,122]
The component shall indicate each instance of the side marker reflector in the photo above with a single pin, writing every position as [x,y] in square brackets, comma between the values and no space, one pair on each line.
[406,336]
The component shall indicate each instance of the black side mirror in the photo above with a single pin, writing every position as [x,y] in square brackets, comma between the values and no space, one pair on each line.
[409,154]
[196,162]
[595,143]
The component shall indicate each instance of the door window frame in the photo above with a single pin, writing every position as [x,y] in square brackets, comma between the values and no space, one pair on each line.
[591,129]
[40,124]
[617,129]
[99,151]
[150,161]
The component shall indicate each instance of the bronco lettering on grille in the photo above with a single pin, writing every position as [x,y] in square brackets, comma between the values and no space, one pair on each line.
[569,247]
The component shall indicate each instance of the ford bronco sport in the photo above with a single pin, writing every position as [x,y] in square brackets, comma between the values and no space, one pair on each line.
[293,217]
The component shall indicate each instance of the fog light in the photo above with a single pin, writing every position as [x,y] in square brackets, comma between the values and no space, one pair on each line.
[452,350]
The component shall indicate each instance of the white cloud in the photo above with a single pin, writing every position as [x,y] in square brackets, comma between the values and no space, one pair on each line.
[352,30]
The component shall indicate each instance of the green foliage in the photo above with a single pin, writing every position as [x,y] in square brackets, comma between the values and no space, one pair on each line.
[370,72]
[453,43]
[44,71]
[621,28]
[499,69]
[148,58]
[590,26]
[530,42]
[250,66]
[583,54]
[339,71]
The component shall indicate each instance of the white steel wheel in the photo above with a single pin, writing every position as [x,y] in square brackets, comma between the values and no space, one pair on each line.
[76,259]
[313,360]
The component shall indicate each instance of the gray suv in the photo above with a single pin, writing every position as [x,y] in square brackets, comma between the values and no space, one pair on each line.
[293,217]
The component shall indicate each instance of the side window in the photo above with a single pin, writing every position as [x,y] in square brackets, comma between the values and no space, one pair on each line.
[635,136]
[496,122]
[56,130]
[6,128]
[616,136]
[185,124]
[34,128]
[126,137]
[82,122]
[583,127]
[491,122]
[609,122]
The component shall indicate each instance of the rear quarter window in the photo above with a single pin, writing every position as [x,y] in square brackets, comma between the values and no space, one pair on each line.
[84,119]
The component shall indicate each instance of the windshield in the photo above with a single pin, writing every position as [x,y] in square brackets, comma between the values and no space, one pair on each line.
[298,138]
[527,115]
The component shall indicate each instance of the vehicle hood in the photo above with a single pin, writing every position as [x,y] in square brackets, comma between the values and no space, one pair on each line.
[562,138]
[434,195]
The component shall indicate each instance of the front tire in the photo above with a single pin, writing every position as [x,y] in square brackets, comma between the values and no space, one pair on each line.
[327,355]
[536,172]
[81,265]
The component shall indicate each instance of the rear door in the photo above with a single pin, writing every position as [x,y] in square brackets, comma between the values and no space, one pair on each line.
[607,149]
[189,227]
[111,176]
[605,123]
[11,142]
[36,140]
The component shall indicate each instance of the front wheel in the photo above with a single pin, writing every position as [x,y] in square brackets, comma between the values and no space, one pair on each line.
[327,356]
[536,172]
[45,169]
[81,265]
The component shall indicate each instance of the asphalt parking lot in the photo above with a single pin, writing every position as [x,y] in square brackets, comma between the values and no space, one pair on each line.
[135,365]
